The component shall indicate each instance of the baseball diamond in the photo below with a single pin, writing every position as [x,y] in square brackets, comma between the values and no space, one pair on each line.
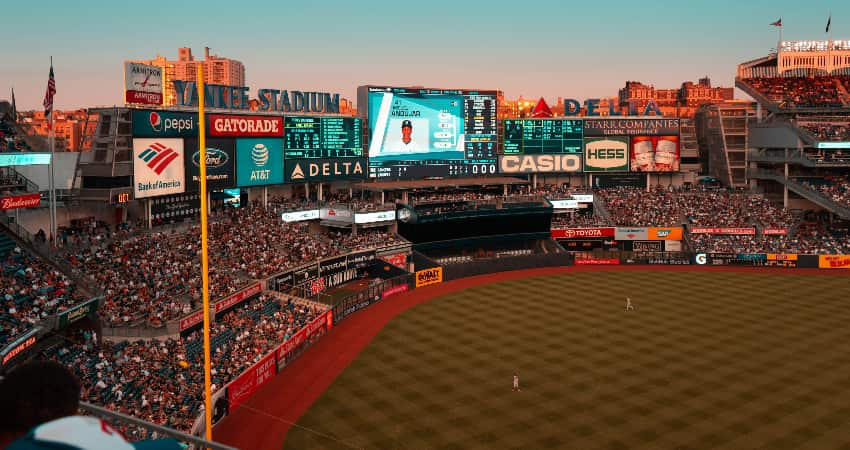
[702,363]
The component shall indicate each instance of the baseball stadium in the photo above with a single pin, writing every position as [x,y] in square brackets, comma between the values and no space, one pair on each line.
[436,270]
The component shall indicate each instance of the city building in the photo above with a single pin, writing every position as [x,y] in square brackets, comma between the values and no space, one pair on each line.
[69,129]
[217,70]
[681,102]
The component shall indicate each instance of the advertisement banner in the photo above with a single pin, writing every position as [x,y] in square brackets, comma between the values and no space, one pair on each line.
[665,234]
[608,180]
[175,207]
[564,204]
[259,162]
[582,198]
[394,290]
[834,261]
[654,153]
[302,170]
[399,260]
[428,277]
[158,167]
[580,245]
[631,234]
[225,125]
[598,262]
[142,84]
[781,256]
[237,298]
[330,213]
[580,233]
[250,381]
[300,216]
[606,154]
[563,163]
[731,231]
[672,246]
[78,312]
[372,217]
[191,320]
[221,167]
[19,346]
[631,127]
[164,124]
[775,232]
[20,201]
[647,246]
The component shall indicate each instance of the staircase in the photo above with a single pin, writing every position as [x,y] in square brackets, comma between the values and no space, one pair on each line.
[842,93]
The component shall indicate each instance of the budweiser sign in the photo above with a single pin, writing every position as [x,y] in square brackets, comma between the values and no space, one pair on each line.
[237,298]
[241,126]
[579,233]
[20,201]
[706,230]
[775,231]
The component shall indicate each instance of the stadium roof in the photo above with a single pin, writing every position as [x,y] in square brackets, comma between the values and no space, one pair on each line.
[430,184]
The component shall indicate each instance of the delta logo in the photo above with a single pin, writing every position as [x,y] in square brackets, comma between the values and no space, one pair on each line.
[158,157]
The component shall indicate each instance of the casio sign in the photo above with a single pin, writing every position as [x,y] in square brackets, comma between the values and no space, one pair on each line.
[539,163]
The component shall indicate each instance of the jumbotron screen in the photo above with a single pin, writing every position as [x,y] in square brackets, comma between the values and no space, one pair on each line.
[541,136]
[322,137]
[419,133]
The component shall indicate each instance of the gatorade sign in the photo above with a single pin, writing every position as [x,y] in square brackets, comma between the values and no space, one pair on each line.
[606,154]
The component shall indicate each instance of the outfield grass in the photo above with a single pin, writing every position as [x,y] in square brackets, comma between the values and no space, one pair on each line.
[707,360]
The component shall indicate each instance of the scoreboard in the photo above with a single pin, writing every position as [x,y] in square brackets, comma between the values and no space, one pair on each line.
[322,137]
[540,136]
[479,115]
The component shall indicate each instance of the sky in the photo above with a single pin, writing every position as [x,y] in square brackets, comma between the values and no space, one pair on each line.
[534,48]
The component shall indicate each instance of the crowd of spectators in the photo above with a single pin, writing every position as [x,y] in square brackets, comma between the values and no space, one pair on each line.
[161,381]
[828,131]
[449,197]
[31,290]
[835,188]
[150,278]
[791,92]
[10,140]
[637,207]
[347,242]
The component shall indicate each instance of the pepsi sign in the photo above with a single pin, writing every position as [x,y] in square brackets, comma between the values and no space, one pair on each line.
[164,124]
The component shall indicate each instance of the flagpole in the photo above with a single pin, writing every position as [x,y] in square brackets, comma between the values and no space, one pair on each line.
[52,183]
[829,44]
[205,282]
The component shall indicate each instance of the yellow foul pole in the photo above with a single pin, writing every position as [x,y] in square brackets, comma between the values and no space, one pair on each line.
[205,283]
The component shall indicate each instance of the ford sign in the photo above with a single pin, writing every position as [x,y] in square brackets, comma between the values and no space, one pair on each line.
[215,158]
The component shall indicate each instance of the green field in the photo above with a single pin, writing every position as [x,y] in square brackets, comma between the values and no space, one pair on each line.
[707,360]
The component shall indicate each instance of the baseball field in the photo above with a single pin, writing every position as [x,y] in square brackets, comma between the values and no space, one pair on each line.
[705,360]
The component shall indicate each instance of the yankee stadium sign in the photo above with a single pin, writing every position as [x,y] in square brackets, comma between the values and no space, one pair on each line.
[236,97]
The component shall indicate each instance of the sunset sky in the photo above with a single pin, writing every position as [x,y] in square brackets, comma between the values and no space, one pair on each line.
[540,48]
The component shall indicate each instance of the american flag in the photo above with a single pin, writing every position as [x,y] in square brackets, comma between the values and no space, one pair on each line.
[48,97]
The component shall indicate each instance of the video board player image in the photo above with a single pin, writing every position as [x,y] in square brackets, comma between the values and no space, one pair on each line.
[416,127]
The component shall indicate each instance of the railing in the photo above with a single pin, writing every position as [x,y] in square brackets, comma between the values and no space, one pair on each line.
[114,417]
